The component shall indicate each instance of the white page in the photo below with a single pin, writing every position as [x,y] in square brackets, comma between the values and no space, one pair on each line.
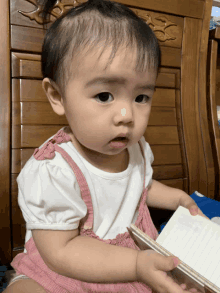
[196,241]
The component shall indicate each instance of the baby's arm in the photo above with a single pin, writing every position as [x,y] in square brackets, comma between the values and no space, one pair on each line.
[90,260]
[85,258]
[164,197]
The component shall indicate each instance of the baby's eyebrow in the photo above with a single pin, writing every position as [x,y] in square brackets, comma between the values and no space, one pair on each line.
[116,80]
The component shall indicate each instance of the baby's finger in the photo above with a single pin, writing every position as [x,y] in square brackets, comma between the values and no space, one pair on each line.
[193,290]
[171,286]
[183,286]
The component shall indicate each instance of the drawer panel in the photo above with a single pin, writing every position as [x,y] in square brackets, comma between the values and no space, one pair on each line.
[162,116]
[28,136]
[26,38]
[37,113]
[19,158]
[26,65]
[161,135]
[166,154]
[26,90]
[175,183]
[164,98]
[167,172]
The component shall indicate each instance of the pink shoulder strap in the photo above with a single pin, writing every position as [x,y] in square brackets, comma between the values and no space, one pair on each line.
[48,152]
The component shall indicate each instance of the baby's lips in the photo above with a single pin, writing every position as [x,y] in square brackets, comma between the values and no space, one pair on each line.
[120,138]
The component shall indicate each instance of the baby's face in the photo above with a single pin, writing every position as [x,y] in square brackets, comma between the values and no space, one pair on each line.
[101,104]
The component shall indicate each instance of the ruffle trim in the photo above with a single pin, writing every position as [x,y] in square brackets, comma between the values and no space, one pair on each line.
[48,150]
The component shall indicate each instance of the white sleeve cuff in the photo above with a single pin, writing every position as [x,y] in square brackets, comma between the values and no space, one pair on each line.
[57,226]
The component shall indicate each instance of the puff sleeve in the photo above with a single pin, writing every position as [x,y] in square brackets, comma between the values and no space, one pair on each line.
[49,196]
[149,160]
[149,153]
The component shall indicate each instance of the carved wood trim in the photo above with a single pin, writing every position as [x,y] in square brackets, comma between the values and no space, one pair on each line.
[36,14]
[161,29]
[189,8]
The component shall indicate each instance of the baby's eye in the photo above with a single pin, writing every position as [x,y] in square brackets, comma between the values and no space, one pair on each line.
[103,97]
[143,98]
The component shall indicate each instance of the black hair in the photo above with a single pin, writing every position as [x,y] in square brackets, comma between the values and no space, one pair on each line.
[90,24]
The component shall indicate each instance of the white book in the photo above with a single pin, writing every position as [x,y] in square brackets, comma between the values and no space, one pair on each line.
[195,240]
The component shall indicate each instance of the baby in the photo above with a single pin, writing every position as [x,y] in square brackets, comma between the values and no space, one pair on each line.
[87,183]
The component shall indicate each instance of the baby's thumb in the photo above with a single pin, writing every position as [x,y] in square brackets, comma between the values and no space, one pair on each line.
[169,263]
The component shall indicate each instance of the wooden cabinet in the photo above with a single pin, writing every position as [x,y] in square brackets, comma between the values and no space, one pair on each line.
[213,99]
[178,128]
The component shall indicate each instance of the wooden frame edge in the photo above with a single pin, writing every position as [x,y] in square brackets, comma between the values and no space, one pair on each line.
[5,222]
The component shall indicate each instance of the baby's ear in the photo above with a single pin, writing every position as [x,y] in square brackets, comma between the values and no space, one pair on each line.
[54,96]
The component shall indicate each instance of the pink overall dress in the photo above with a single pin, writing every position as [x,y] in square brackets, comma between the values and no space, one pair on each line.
[31,263]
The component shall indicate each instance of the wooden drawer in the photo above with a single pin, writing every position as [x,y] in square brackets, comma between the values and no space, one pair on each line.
[26,65]
[32,136]
[35,113]
[176,183]
[19,158]
[27,90]
[26,38]
[162,135]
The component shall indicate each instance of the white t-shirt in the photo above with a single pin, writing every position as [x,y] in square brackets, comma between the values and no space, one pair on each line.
[50,198]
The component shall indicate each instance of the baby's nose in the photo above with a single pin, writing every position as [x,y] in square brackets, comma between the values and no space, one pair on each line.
[126,114]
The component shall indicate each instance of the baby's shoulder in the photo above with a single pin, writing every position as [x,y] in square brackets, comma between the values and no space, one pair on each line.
[50,164]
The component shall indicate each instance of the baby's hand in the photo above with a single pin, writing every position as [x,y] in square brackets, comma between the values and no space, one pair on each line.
[193,290]
[187,202]
[153,270]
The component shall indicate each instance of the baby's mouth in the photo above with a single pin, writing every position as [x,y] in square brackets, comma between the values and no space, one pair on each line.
[119,142]
[120,139]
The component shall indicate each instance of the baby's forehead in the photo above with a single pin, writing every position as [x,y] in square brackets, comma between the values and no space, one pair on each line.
[107,60]
[121,72]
